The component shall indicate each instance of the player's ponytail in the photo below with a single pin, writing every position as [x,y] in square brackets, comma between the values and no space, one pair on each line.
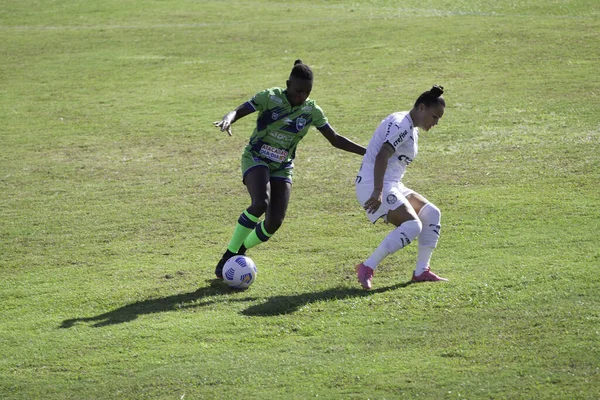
[301,71]
[432,96]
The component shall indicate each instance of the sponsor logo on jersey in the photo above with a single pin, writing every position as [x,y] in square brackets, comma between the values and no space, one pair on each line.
[400,138]
[275,99]
[391,199]
[300,122]
[273,153]
[406,159]
[282,137]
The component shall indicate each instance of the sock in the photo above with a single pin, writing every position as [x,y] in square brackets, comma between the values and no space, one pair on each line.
[246,223]
[430,217]
[257,236]
[400,237]
[423,257]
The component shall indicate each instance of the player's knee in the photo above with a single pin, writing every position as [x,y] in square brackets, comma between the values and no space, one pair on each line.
[411,229]
[273,224]
[430,214]
[259,205]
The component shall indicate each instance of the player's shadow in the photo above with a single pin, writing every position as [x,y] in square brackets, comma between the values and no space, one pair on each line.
[170,303]
[280,305]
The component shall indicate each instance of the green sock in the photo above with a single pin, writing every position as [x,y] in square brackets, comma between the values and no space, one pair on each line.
[257,236]
[245,225]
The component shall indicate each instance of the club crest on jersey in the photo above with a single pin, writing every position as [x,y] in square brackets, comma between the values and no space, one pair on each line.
[274,116]
[391,199]
[300,122]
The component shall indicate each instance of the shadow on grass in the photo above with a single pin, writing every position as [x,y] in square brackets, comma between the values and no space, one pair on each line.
[171,303]
[280,305]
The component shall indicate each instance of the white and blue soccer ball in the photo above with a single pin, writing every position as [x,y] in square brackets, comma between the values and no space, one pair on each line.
[239,272]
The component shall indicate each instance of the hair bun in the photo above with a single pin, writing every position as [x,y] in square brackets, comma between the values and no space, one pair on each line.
[298,61]
[432,96]
[437,90]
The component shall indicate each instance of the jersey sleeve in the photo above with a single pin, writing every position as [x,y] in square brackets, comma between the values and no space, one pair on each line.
[396,132]
[319,119]
[260,100]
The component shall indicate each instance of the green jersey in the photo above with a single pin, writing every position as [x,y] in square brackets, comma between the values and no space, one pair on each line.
[279,126]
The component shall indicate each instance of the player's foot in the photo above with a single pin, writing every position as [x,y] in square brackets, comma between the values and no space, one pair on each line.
[226,256]
[426,276]
[219,269]
[365,275]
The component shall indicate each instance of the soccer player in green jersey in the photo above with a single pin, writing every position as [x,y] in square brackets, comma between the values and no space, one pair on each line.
[284,116]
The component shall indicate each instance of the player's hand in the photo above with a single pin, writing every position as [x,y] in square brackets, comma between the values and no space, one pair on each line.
[374,202]
[225,123]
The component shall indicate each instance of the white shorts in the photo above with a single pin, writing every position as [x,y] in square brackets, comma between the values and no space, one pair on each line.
[393,196]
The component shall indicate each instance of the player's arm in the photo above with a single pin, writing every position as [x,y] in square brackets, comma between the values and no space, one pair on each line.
[341,142]
[232,116]
[381,162]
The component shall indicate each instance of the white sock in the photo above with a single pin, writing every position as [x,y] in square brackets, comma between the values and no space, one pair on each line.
[430,217]
[423,257]
[400,237]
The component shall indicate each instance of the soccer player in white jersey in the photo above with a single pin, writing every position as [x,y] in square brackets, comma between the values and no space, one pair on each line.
[380,191]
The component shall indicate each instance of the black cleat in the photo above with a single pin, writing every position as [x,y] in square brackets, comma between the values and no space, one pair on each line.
[219,269]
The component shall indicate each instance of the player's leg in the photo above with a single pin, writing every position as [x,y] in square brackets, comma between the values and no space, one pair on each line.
[256,179]
[397,211]
[408,227]
[430,217]
[281,189]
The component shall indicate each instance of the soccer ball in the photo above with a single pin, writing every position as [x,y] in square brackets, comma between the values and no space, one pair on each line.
[239,272]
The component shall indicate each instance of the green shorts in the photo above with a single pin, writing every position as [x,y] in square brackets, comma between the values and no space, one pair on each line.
[251,160]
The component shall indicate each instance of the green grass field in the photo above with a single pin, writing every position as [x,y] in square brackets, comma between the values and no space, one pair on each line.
[117,197]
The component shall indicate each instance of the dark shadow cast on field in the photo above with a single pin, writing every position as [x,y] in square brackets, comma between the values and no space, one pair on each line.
[170,303]
[280,305]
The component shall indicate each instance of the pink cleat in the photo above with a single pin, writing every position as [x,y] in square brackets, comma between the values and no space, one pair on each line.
[365,275]
[427,276]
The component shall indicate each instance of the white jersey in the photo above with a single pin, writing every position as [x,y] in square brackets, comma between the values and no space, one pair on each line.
[398,130]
